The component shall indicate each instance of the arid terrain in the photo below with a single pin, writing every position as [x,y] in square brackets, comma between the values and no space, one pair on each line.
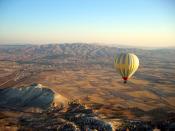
[86,72]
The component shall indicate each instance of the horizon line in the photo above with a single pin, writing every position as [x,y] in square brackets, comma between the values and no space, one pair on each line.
[96,43]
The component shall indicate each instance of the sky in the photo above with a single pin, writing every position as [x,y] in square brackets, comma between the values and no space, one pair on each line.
[126,22]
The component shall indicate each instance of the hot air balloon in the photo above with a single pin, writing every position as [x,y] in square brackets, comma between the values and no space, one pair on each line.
[126,64]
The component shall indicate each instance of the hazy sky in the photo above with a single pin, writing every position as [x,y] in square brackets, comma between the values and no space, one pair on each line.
[131,22]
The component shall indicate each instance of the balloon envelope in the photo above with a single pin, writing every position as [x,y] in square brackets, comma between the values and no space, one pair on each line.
[126,64]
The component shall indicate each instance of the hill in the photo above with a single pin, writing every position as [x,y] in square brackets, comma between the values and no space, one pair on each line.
[86,72]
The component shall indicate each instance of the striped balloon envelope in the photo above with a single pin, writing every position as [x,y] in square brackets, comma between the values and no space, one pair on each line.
[126,64]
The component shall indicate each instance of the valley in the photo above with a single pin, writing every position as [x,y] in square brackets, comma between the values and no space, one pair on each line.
[86,72]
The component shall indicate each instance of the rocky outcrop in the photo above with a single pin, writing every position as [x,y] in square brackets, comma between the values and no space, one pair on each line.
[35,96]
[73,118]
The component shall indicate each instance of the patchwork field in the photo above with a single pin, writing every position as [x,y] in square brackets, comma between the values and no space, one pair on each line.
[148,95]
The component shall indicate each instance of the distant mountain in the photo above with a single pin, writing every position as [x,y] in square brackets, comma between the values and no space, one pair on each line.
[88,53]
